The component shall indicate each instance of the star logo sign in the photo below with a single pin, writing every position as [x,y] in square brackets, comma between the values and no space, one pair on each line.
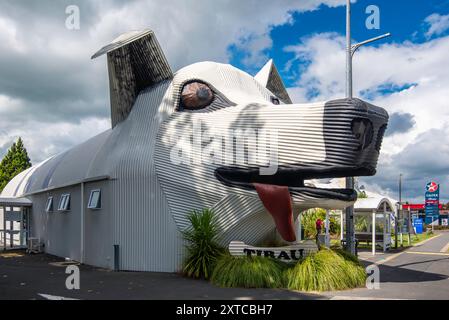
[432,187]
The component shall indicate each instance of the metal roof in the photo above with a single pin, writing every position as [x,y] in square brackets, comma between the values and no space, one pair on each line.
[85,161]
[373,203]
[418,206]
[20,202]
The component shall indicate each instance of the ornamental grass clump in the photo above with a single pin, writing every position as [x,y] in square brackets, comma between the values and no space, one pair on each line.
[326,270]
[248,272]
[202,246]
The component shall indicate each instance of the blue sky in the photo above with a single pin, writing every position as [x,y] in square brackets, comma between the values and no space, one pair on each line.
[406,20]
[403,18]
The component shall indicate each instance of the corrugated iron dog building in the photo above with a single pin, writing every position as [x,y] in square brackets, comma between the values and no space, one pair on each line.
[132,186]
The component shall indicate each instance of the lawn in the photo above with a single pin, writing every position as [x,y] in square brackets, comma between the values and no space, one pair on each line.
[414,238]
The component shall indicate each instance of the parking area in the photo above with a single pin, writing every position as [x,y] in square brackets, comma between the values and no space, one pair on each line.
[43,276]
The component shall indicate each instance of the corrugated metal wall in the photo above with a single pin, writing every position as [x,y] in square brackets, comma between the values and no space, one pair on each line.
[59,231]
[98,227]
[195,186]
[148,197]
[144,228]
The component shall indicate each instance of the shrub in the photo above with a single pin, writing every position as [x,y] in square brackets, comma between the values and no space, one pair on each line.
[348,256]
[202,246]
[309,218]
[362,195]
[326,270]
[361,223]
[248,272]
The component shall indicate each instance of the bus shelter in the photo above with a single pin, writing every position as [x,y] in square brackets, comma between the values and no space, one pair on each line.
[373,219]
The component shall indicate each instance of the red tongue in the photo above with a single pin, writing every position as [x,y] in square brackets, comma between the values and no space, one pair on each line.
[278,202]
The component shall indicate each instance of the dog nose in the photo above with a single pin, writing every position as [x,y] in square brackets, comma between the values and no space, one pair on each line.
[363,131]
[355,128]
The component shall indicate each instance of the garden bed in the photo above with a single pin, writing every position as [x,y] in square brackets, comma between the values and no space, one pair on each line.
[326,270]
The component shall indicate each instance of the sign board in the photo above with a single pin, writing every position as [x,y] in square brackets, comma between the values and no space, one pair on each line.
[405,226]
[13,216]
[287,254]
[444,222]
[418,226]
[432,202]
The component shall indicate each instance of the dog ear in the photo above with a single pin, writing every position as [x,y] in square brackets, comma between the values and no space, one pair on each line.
[269,77]
[135,62]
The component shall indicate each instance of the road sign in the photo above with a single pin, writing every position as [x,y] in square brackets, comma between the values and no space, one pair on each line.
[432,202]
[418,226]
[405,226]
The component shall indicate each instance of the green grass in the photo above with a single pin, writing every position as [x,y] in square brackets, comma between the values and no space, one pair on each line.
[415,240]
[202,246]
[347,256]
[248,272]
[327,270]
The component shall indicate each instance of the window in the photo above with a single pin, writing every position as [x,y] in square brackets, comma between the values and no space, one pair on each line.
[64,203]
[94,200]
[49,205]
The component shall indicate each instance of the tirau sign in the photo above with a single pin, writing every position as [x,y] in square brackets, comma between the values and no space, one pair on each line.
[288,253]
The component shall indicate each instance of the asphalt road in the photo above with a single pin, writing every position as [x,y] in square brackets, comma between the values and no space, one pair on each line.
[421,272]
[418,273]
[36,277]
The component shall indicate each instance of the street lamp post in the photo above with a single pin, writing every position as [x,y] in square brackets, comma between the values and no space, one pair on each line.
[350,51]
[399,215]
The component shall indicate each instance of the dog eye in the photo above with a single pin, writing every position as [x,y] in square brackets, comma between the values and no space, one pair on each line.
[275,101]
[196,95]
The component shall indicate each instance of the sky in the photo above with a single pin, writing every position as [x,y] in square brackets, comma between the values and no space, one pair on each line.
[55,97]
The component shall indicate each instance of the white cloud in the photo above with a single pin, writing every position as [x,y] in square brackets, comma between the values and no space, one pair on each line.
[254,47]
[437,24]
[45,140]
[421,161]
[54,96]
[8,35]
[421,66]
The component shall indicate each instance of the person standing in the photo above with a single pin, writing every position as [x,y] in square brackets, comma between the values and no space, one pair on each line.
[319,227]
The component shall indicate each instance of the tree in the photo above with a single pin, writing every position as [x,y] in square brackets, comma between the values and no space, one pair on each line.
[15,161]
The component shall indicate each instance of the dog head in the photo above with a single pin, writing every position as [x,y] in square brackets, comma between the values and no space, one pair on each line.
[235,143]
